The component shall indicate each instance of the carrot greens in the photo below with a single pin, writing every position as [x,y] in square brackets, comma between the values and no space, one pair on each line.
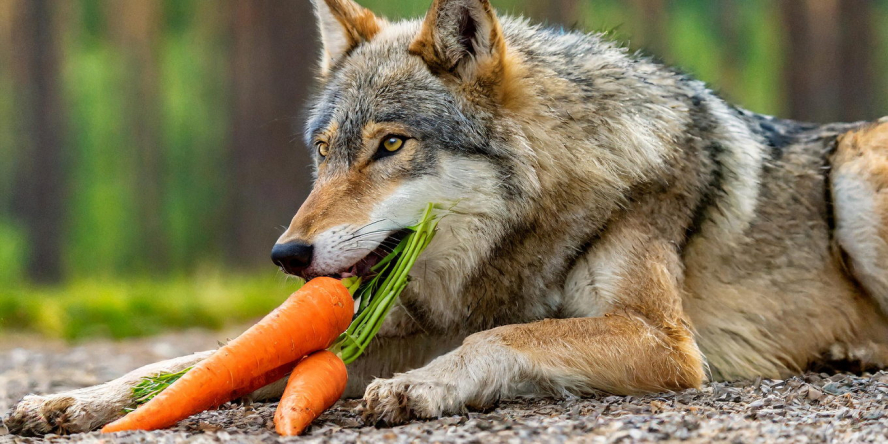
[378,295]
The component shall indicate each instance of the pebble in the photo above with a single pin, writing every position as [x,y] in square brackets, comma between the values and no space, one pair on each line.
[811,408]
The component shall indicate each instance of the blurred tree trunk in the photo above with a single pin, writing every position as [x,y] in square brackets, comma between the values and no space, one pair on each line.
[813,59]
[135,30]
[729,21]
[40,183]
[830,72]
[858,59]
[272,60]
[8,133]
[566,13]
[651,33]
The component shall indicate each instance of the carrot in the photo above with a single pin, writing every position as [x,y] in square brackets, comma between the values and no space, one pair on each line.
[317,316]
[150,386]
[316,383]
[310,320]
[319,380]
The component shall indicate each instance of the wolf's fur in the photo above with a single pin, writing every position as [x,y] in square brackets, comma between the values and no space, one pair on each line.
[612,224]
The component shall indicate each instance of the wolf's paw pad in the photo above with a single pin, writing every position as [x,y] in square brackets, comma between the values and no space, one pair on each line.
[405,397]
[39,415]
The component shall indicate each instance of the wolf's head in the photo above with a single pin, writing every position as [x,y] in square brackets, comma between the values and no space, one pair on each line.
[403,118]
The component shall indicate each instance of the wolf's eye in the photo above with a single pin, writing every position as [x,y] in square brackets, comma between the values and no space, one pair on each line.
[323,148]
[392,143]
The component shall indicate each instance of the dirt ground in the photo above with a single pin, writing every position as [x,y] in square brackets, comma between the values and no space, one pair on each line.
[812,408]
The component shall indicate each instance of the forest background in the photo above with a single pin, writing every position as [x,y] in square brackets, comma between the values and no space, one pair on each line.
[150,150]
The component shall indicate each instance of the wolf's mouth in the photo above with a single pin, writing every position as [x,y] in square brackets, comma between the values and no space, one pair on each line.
[364,266]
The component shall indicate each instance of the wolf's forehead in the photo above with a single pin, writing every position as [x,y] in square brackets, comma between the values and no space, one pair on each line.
[377,83]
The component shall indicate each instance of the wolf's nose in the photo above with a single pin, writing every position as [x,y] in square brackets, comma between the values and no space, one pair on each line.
[292,257]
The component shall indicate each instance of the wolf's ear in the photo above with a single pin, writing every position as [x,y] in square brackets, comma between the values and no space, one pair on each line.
[463,37]
[344,25]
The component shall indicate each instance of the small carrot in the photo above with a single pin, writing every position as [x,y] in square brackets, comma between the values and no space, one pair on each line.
[316,383]
[311,319]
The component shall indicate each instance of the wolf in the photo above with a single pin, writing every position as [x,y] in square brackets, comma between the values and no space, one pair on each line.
[608,224]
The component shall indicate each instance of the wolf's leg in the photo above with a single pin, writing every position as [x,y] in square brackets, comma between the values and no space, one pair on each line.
[88,408]
[637,342]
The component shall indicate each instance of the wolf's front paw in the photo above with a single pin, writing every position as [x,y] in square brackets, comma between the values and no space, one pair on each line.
[76,411]
[39,415]
[409,396]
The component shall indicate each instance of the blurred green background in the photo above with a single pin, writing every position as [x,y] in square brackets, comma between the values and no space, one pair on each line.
[150,152]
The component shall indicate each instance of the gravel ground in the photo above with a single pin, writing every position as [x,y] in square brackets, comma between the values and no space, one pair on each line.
[811,408]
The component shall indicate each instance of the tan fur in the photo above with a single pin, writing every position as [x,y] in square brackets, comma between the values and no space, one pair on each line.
[427,43]
[780,299]
[865,153]
[860,190]
[644,321]
[336,202]
[373,133]
[496,70]
[357,25]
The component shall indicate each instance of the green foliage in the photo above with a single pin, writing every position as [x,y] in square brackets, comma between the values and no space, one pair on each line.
[137,307]
[397,9]
[760,87]
[194,122]
[13,254]
[104,237]
[102,207]
[610,17]
[693,41]
[9,156]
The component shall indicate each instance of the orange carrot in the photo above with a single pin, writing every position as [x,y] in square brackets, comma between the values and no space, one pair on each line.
[310,320]
[316,383]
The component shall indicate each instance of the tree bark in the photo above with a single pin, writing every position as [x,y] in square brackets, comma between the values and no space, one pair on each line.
[273,56]
[858,87]
[813,60]
[41,180]
[728,12]
[651,34]
[565,13]
[135,31]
